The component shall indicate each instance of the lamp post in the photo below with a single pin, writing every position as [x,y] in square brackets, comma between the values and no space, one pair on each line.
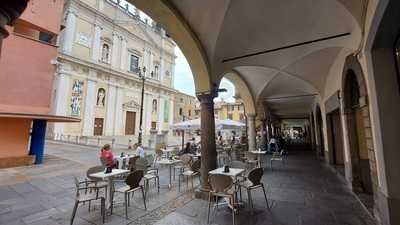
[183,133]
[143,78]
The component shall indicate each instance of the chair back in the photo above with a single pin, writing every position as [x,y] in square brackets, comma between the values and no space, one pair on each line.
[94,169]
[150,159]
[141,164]
[237,164]
[186,159]
[255,175]
[132,163]
[195,166]
[76,181]
[134,178]
[103,161]
[220,183]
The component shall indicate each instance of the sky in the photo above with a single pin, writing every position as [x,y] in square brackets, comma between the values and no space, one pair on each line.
[184,79]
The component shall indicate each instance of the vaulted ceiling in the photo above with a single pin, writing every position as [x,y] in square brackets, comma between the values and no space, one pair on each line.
[282,49]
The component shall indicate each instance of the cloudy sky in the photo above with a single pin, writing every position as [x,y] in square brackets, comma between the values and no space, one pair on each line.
[184,79]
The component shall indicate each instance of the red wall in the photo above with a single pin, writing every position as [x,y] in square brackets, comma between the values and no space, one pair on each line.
[26,75]
[45,14]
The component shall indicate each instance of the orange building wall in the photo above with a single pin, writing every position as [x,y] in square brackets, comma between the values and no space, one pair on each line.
[14,137]
[45,14]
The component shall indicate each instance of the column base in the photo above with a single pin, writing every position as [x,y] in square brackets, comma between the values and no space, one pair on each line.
[386,209]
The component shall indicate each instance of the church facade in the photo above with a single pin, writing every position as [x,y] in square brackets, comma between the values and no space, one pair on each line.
[103,50]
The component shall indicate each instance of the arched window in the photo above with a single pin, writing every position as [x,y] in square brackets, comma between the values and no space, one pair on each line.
[105,53]
[154,108]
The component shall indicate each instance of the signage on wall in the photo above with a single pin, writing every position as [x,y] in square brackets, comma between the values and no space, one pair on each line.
[76,97]
[83,39]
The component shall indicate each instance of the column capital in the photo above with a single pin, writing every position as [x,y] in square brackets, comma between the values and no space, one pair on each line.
[207,96]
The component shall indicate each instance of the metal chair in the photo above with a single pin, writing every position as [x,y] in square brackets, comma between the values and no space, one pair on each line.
[252,182]
[251,159]
[194,170]
[186,161]
[82,197]
[132,184]
[95,182]
[142,164]
[221,186]
[132,163]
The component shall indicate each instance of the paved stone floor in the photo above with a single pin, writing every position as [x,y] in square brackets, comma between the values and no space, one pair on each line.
[303,192]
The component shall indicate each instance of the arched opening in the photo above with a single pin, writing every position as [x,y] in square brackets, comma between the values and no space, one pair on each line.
[319,133]
[356,110]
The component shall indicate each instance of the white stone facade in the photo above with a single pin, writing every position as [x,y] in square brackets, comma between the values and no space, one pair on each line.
[97,80]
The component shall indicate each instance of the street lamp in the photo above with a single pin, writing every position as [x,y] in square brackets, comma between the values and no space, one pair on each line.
[143,78]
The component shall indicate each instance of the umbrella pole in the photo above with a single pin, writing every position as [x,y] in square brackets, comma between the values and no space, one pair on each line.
[183,139]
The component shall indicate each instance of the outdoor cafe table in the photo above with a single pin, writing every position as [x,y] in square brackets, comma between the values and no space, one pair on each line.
[109,178]
[167,151]
[121,160]
[258,153]
[170,163]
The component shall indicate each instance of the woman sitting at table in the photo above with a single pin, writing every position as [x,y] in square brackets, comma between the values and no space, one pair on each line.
[107,154]
[187,150]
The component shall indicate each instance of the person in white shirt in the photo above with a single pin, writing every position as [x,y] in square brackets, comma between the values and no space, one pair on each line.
[139,150]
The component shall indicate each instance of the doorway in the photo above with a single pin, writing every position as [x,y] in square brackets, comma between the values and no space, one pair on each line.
[130,123]
[98,127]
[335,140]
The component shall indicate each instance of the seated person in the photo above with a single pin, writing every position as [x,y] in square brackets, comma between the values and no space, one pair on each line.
[187,150]
[107,154]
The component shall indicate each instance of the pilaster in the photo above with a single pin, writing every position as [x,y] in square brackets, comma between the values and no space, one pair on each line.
[251,131]
[90,101]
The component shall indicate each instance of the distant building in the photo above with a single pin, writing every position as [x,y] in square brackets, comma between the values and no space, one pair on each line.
[226,110]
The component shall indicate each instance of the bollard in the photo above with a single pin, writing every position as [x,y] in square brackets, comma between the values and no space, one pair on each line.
[98,141]
[77,139]
[130,144]
[112,142]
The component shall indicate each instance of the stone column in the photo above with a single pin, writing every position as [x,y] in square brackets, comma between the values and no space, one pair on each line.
[251,131]
[118,127]
[161,114]
[90,102]
[208,149]
[114,54]
[123,54]
[263,134]
[96,43]
[69,32]
[110,112]
[61,100]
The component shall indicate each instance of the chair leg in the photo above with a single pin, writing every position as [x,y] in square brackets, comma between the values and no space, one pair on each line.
[112,203]
[209,207]
[233,212]
[129,199]
[179,182]
[144,198]
[158,184]
[265,195]
[103,208]
[126,205]
[74,211]
[89,205]
[192,182]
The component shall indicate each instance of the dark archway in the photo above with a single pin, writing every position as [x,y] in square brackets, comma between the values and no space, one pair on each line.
[319,133]
[356,110]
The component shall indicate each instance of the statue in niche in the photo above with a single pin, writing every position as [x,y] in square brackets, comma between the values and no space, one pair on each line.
[76,97]
[154,108]
[101,95]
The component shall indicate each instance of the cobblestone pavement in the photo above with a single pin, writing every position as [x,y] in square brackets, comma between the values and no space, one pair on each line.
[303,192]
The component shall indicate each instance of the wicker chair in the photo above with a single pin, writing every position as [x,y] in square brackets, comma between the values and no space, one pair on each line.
[95,183]
[132,184]
[186,161]
[221,186]
[82,197]
[252,182]
[142,164]
[191,173]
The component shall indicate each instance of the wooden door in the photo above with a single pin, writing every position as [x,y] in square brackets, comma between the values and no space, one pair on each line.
[98,126]
[130,123]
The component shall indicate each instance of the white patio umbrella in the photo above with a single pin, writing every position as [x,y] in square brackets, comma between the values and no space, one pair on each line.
[229,124]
